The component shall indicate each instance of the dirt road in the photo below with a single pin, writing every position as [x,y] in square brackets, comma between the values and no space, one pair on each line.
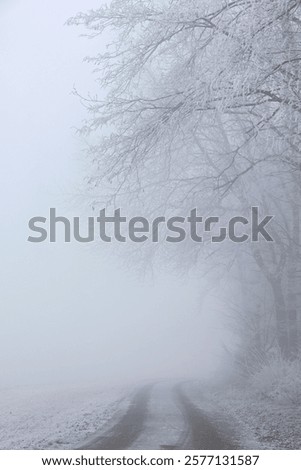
[161,416]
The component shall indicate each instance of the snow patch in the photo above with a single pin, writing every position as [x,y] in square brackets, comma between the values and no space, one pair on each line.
[55,418]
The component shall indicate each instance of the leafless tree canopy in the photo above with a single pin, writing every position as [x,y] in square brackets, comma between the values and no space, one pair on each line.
[200,107]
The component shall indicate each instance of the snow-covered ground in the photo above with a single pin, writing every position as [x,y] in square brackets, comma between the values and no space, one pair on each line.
[254,421]
[66,418]
[272,424]
[56,418]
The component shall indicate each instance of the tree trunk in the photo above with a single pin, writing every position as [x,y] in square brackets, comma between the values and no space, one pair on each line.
[293,267]
[281,319]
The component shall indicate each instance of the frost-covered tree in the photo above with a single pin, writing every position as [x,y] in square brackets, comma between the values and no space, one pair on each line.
[170,62]
[200,107]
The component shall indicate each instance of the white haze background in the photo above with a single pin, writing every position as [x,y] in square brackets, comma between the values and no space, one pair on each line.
[72,313]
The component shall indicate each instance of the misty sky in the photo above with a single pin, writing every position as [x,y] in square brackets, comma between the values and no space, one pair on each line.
[73,313]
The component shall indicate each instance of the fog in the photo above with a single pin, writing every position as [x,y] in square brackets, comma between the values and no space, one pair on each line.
[74,313]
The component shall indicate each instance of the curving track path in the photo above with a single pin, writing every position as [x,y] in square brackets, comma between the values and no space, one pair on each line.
[161,416]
